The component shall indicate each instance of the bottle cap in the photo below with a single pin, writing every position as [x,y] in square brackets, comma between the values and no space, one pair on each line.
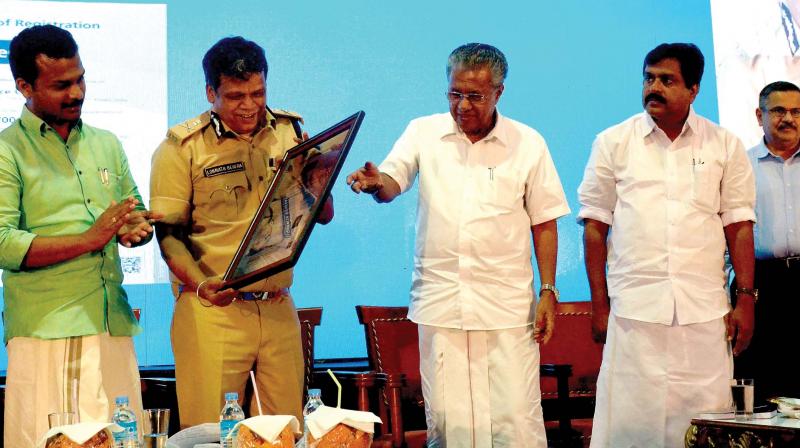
[232,396]
[314,393]
[122,399]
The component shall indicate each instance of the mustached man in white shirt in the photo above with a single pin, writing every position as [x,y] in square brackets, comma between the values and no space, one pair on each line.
[486,182]
[662,196]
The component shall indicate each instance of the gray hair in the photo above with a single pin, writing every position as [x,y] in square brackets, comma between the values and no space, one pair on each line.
[476,55]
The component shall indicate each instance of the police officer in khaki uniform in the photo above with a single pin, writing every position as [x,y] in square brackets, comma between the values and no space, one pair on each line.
[208,179]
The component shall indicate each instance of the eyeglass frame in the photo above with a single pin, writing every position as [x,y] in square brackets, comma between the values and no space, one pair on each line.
[780,112]
[456,97]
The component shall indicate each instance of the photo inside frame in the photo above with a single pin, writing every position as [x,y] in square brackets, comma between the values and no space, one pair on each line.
[287,214]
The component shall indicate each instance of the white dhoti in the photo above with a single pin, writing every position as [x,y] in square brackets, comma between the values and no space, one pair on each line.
[41,379]
[481,388]
[655,378]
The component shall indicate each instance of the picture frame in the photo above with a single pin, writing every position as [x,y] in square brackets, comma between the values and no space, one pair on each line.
[283,223]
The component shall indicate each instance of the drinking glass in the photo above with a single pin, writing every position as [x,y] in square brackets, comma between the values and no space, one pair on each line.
[155,426]
[742,392]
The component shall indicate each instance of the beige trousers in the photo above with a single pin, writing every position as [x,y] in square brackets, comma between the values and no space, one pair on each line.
[41,379]
[216,347]
[655,378]
[481,388]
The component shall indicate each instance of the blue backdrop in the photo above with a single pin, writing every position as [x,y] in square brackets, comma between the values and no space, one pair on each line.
[575,69]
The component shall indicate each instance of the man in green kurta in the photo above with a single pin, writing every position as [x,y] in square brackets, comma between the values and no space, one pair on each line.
[67,198]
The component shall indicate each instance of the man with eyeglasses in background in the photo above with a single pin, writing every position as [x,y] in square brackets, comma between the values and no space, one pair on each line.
[776,166]
[675,188]
[485,183]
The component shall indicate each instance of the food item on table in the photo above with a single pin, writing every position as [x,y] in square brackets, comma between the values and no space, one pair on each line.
[99,440]
[341,436]
[246,438]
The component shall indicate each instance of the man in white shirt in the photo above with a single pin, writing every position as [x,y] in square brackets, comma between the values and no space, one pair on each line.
[485,183]
[675,188]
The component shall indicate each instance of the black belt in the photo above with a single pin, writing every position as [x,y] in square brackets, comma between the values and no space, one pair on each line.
[262,295]
[787,263]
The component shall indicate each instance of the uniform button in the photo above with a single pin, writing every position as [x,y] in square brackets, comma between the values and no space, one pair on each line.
[88,201]
[260,177]
[103,253]
[80,173]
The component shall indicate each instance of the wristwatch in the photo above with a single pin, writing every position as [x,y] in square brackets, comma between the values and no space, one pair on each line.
[549,287]
[748,292]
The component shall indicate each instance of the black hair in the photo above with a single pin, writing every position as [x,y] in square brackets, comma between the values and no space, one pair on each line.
[689,57]
[48,40]
[235,57]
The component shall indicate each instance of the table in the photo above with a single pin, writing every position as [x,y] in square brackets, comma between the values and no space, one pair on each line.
[775,432]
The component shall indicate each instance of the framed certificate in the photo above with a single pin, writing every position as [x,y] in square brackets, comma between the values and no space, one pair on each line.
[283,223]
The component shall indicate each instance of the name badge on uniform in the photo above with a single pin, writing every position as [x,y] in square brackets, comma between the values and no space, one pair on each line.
[286,216]
[223,169]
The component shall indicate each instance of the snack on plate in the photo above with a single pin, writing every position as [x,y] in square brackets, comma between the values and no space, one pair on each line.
[246,438]
[80,435]
[340,428]
[267,431]
[342,436]
[99,440]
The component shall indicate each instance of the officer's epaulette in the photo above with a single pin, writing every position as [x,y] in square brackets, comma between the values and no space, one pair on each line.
[179,132]
[281,113]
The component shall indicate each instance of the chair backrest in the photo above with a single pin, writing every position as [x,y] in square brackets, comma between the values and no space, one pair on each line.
[572,344]
[309,318]
[393,347]
[392,341]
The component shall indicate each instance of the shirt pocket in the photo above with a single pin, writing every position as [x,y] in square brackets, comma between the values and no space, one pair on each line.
[222,197]
[706,181]
[499,190]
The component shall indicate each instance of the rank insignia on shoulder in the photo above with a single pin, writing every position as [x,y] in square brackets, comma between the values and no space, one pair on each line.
[283,113]
[180,131]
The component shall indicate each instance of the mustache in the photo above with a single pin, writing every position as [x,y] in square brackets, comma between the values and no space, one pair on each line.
[72,104]
[786,125]
[655,97]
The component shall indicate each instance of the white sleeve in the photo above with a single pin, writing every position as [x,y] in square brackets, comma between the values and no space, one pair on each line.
[738,186]
[402,163]
[544,195]
[597,193]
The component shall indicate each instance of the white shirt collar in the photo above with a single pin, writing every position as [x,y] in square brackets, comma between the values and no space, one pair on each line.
[498,132]
[647,126]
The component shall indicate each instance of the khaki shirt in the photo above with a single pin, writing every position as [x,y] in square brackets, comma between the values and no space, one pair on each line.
[213,181]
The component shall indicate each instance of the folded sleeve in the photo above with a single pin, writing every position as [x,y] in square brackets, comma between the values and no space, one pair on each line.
[738,186]
[597,192]
[14,242]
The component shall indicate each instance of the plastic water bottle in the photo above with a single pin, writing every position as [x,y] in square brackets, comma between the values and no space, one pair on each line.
[125,417]
[314,401]
[231,414]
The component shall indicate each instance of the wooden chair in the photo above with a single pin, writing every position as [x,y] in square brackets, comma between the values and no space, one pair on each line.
[310,318]
[572,345]
[393,348]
